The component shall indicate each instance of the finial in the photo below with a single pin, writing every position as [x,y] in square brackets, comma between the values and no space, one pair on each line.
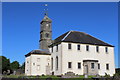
[46,9]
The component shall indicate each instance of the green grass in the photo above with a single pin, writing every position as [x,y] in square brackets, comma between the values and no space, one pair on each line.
[21,76]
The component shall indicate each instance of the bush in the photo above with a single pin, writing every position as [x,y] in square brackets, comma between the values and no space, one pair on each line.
[107,75]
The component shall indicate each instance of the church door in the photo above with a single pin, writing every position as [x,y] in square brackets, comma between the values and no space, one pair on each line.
[86,69]
[47,70]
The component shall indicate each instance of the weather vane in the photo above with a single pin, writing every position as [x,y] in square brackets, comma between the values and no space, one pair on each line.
[46,9]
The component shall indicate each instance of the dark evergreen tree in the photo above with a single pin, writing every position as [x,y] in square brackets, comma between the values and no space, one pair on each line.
[14,65]
[5,63]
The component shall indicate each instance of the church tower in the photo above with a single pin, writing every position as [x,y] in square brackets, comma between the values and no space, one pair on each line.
[45,32]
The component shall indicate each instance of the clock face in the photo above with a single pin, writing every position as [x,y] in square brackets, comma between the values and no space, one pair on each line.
[47,24]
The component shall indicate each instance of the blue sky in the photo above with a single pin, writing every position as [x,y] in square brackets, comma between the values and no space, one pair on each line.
[21,24]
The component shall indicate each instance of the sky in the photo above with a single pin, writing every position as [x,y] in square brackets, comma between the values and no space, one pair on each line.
[21,24]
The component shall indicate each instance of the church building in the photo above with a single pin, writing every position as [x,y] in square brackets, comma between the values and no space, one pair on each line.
[73,51]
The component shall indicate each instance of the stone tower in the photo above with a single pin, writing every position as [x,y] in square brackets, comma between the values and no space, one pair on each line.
[45,32]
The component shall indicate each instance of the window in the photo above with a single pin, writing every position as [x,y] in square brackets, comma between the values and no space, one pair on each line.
[69,64]
[27,61]
[87,48]
[57,63]
[38,67]
[47,35]
[51,63]
[38,59]
[69,46]
[98,66]
[33,63]
[106,49]
[56,48]
[52,48]
[41,36]
[97,48]
[92,65]
[107,66]
[78,47]
[79,65]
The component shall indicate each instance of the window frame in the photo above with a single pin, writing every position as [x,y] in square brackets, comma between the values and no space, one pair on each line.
[78,47]
[87,47]
[98,65]
[97,48]
[38,59]
[57,48]
[56,62]
[92,65]
[38,67]
[47,35]
[69,46]
[79,65]
[107,66]
[69,65]
[106,49]
[51,63]
[52,49]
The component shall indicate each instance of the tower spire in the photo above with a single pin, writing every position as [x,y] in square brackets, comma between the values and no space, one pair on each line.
[46,10]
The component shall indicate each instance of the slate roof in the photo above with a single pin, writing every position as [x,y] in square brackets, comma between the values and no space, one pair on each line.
[39,52]
[79,37]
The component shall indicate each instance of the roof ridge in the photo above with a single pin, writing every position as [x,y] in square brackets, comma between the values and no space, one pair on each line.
[66,35]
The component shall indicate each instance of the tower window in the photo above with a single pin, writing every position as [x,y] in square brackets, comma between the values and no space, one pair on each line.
[78,47]
[41,36]
[87,48]
[47,35]
[79,65]
[69,64]
[69,46]
[97,48]
[92,65]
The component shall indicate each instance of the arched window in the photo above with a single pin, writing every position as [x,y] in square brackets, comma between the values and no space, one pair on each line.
[51,63]
[47,35]
[57,63]
[41,36]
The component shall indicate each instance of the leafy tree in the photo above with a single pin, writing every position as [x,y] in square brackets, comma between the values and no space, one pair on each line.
[23,66]
[14,65]
[5,63]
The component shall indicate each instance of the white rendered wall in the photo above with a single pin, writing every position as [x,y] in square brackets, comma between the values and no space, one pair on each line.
[36,67]
[27,65]
[76,56]
[53,55]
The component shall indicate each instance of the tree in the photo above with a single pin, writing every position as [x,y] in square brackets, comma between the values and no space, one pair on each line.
[5,63]
[14,65]
[23,66]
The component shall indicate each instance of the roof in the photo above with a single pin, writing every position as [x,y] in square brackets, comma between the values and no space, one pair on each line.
[46,18]
[79,37]
[90,60]
[39,52]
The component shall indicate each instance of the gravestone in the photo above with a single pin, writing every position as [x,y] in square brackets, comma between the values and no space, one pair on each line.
[70,75]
